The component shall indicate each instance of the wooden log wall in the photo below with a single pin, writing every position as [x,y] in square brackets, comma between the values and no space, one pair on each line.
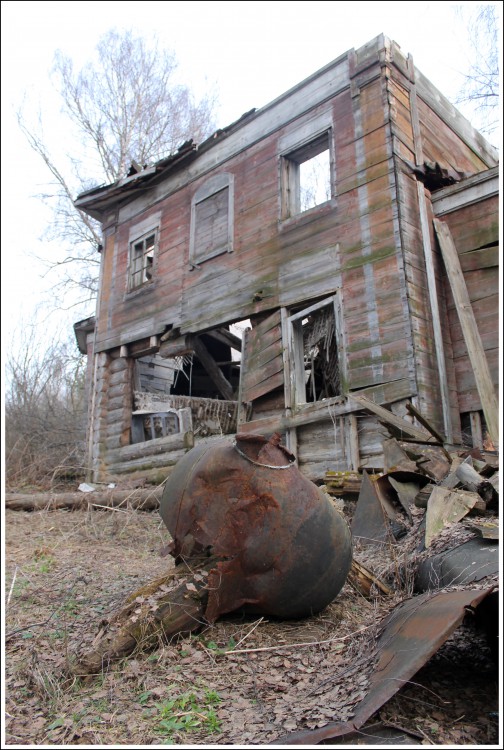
[111,418]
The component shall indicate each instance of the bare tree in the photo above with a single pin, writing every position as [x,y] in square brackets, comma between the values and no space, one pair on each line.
[45,412]
[124,106]
[481,82]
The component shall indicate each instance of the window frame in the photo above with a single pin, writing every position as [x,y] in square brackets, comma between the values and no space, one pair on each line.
[138,233]
[146,253]
[295,345]
[294,152]
[213,186]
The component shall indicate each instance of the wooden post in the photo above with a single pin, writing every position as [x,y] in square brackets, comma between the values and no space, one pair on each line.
[470,331]
[291,434]
[352,442]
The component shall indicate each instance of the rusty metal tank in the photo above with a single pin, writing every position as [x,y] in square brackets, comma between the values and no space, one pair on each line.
[283,549]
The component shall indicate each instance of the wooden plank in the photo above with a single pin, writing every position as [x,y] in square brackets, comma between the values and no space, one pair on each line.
[472,190]
[387,416]
[352,442]
[260,375]
[265,386]
[420,418]
[262,365]
[475,348]
[476,431]
[226,337]
[326,410]
[436,319]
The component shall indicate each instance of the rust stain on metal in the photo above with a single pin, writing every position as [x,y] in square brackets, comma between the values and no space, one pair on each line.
[285,550]
[411,634]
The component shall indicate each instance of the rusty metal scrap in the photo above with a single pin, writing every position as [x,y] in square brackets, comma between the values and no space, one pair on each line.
[375,520]
[411,634]
[284,549]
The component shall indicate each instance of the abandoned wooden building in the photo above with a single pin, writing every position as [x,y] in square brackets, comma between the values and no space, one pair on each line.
[339,243]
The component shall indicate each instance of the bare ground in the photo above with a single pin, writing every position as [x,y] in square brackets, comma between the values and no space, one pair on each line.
[238,682]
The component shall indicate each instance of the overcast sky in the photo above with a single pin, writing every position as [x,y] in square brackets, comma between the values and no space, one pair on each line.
[249,52]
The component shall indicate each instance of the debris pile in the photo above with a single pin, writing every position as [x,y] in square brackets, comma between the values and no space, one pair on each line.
[425,531]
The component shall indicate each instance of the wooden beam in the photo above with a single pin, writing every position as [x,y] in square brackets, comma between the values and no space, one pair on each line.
[141,499]
[406,428]
[226,337]
[420,418]
[470,331]
[221,383]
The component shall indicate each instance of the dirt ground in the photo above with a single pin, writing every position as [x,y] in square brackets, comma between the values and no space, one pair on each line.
[239,682]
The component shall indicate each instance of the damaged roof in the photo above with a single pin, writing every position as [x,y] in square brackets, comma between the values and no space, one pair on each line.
[98,200]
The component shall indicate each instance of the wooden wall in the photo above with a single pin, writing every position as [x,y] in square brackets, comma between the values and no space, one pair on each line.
[475,231]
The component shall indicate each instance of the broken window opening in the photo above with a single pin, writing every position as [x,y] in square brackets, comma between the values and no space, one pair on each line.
[315,353]
[149,425]
[141,260]
[205,377]
[307,176]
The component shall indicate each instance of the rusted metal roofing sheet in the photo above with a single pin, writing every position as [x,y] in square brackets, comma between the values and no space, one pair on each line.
[411,634]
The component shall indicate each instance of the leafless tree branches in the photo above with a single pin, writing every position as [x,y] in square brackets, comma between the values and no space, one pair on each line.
[124,106]
[481,83]
[44,411]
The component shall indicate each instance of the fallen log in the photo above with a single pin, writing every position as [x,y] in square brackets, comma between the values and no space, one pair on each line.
[162,609]
[139,499]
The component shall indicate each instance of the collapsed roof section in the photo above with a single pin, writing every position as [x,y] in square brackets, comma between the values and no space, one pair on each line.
[97,201]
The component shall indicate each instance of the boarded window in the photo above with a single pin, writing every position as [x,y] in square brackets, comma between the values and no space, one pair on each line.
[211,230]
[141,265]
[212,219]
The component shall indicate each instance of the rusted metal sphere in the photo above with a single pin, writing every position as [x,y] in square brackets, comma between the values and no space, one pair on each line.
[283,549]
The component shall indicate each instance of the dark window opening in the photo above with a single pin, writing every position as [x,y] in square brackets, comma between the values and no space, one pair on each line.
[204,377]
[320,355]
[314,352]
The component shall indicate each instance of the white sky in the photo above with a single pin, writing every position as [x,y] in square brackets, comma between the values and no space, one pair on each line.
[250,52]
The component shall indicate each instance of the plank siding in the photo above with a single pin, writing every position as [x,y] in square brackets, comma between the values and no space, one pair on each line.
[442,145]
[473,227]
